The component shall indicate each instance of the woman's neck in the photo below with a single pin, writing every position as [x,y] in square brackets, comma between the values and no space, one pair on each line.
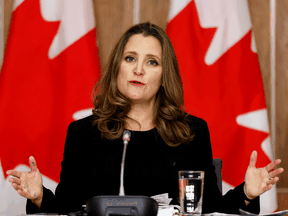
[143,117]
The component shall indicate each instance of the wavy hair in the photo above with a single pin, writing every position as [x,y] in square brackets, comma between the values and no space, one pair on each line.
[111,107]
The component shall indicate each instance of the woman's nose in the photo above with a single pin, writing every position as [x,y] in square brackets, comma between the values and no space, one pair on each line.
[139,70]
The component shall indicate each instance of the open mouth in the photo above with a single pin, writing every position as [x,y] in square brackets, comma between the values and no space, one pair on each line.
[136,82]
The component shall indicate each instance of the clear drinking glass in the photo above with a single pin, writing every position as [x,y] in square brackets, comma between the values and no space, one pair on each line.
[191,185]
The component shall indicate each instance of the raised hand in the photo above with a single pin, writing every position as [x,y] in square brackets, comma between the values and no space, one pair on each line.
[28,184]
[260,180]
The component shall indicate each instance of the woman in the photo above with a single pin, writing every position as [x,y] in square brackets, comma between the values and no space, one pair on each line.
[141,90]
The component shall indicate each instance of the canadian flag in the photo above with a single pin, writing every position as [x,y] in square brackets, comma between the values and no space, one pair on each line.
[222,83]
[50,67]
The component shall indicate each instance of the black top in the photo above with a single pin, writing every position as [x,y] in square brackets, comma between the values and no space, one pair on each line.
[91,166]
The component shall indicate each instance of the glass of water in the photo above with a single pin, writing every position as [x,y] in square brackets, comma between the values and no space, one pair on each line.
[191,185]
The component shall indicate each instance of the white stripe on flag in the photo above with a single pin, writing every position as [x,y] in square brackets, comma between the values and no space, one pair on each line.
[176,6]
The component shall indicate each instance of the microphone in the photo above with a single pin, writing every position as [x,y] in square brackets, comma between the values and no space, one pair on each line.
[122,205]
[126,139]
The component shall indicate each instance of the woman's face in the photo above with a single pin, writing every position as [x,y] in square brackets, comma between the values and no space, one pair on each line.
[140,73]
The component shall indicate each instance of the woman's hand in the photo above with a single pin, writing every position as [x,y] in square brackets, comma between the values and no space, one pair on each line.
[28,184]
[260,180]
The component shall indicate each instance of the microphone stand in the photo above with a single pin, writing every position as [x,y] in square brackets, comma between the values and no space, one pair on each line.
[122,204]
[126,139]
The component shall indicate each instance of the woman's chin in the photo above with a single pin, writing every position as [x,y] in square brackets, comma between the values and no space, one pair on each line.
[135,97]
[136,100]
[140,99]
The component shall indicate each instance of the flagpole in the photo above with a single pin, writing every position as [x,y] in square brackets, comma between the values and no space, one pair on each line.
[273,71]
[136,18]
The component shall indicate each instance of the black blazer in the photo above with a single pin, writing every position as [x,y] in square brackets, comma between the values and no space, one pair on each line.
[91,167]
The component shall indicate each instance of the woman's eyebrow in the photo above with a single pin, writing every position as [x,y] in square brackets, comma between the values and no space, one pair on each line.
[154,56]
[131,52]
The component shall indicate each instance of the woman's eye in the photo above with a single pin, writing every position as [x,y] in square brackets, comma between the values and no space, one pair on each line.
[129,58]
[153,62]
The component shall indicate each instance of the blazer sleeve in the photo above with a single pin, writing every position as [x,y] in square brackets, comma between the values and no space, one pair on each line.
[213,200]
[70,192]
[48,204]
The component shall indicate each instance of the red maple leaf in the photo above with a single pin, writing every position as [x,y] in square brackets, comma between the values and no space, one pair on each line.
[38,95]
[220,92]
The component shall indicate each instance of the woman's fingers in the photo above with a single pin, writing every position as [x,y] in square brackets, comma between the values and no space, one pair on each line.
[253,159]
[25,183]
[32,163]
[267,187]
[15,180]
[273,176]
[272,181]
[276,172]
[17,174]
[22,189]
[17,186]
[14,173]
[272,165]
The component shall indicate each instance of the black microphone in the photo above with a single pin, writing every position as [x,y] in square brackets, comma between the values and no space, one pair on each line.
[122,204]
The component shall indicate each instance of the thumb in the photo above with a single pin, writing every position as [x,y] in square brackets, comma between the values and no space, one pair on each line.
[253,159]
[32,163]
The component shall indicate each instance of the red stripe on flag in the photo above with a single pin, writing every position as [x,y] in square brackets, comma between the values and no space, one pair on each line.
[38,95]
[220,92]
